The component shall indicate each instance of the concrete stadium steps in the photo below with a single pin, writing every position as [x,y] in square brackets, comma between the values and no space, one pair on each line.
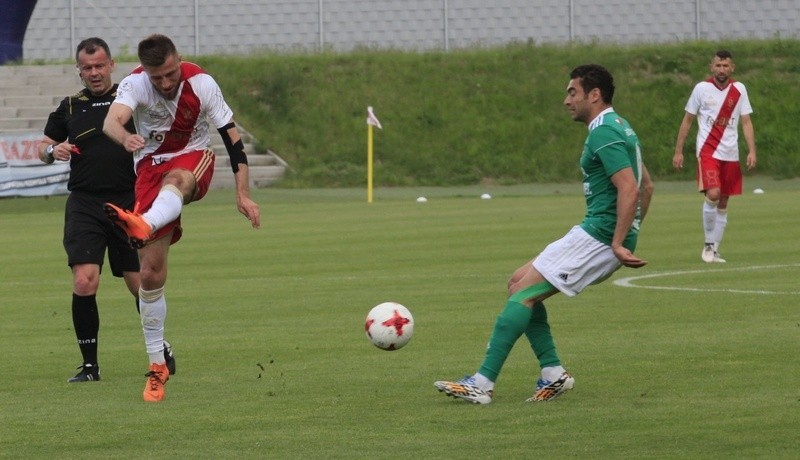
[28,93]
[265,170]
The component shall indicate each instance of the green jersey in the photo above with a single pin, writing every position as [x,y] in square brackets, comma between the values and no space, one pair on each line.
[611,146]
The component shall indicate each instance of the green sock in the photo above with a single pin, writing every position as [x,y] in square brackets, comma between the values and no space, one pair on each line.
[538,333]
[510,325]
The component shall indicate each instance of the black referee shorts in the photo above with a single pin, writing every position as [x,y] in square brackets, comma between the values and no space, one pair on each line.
[88,232]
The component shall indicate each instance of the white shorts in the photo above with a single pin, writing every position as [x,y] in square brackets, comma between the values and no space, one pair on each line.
[576,261]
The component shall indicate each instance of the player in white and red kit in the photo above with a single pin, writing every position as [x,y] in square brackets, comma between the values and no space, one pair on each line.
[718,104]
[171,103]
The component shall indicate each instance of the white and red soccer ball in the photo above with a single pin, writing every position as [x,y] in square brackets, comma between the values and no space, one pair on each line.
[389,326]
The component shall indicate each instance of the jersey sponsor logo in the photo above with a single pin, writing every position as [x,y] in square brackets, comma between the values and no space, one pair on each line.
[171,136]
[158,112]
[720,121]
[709,101]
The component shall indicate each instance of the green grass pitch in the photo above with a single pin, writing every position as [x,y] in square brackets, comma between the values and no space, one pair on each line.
[695,361]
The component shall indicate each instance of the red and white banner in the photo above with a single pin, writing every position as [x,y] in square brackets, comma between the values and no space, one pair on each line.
[21,171]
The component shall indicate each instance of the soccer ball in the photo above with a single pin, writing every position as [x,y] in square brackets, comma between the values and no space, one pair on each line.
[389,326]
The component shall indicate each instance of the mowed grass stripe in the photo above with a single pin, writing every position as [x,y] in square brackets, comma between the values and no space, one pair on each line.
[273,361]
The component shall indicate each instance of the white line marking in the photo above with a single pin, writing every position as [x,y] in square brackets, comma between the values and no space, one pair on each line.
[629,281]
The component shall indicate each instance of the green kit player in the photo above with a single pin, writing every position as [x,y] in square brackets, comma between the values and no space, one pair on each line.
[618,190]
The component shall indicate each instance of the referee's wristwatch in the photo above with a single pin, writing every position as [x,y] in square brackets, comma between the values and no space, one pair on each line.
[49,152]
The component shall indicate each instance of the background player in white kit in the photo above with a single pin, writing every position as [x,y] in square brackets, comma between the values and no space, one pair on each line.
[170,102]
[718,103]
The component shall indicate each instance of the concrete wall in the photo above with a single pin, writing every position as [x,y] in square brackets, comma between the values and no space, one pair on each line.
[201,27]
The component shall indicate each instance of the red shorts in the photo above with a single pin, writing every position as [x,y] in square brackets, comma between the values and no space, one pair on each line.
[149,178]
[724,175]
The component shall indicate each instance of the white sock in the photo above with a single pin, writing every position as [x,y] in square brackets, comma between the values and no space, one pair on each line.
[552,373]
[483,382]
[153,308]
[719,227]
[166,207]
[709,220]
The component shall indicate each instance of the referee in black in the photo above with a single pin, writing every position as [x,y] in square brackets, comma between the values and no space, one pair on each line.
[100,171]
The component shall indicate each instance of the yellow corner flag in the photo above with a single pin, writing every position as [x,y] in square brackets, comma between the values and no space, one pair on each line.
[372,120]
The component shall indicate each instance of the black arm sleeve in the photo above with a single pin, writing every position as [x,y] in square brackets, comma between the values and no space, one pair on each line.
[235,151]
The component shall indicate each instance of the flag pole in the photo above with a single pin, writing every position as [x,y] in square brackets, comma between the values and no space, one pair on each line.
[369,163]
[372,120]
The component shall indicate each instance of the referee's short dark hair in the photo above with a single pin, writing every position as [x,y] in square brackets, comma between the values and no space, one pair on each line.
[91,45]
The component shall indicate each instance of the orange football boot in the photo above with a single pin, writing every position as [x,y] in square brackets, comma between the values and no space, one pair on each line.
[134,225]
[156,378]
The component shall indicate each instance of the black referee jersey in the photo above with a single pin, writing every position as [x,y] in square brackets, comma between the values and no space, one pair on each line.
[103,167]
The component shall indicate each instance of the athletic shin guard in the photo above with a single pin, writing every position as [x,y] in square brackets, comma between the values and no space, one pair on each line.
[86,320]
[153,307]
[508,327]
[540,337]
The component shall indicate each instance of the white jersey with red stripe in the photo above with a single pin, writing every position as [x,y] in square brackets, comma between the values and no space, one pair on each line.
[173,127]
[718,111]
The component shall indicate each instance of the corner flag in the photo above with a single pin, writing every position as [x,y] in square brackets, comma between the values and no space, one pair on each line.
[372,120]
